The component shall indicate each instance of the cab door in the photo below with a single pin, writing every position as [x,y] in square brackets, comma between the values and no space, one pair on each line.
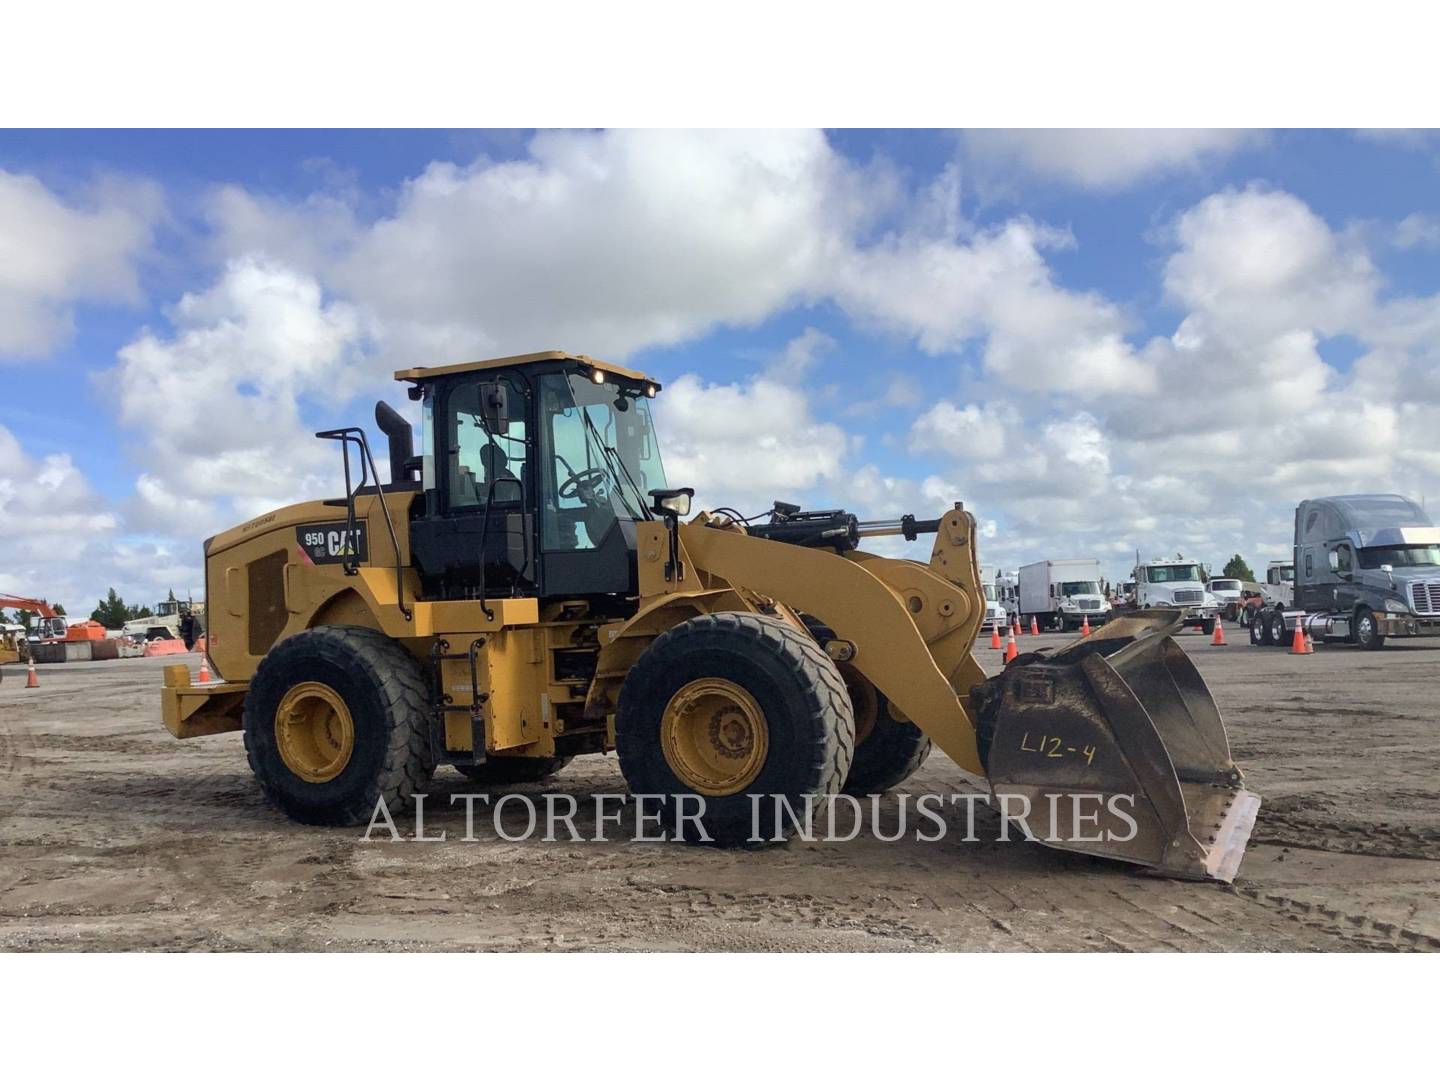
[586,547]
[1345,592]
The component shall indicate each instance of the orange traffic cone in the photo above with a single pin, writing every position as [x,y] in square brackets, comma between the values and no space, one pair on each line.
[204,675]
[1219,638]
[995,642]
[1297,643]
[1034,627]
[1011,649]
[32,681]
[1015,623]
[1085,626]
[1309,643]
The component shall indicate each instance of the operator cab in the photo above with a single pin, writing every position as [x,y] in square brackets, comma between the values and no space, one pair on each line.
[533,472]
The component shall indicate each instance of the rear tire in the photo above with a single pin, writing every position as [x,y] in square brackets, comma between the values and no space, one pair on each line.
[1274,628]
[513,770]
[384,696]
[806,722]
[1255,623]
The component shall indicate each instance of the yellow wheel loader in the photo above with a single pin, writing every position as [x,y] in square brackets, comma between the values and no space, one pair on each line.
[524,590]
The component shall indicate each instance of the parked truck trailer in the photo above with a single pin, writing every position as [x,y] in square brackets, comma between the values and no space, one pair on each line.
[1367,568]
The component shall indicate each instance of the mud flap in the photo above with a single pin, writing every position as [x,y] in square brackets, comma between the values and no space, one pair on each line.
[1114,746]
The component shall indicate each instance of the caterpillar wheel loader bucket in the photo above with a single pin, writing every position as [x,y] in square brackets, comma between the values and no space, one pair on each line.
[1114,746]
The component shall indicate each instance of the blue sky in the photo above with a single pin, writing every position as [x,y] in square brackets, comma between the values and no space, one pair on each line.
[1082,335]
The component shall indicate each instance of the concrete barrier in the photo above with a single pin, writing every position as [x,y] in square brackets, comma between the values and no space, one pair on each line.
[164,647]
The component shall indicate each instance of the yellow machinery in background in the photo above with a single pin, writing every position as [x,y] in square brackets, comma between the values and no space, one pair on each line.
[524,590]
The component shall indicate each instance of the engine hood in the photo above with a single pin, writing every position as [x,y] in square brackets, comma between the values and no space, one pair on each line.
[1401,576]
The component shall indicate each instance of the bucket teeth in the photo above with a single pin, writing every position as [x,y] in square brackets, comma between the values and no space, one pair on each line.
[1114,746]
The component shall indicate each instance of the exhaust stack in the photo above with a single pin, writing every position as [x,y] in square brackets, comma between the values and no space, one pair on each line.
[402,442]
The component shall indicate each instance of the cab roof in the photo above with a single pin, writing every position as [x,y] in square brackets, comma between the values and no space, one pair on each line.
[417,374]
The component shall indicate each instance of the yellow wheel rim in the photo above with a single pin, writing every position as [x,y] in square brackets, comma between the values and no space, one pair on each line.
[714,736]
[314,732]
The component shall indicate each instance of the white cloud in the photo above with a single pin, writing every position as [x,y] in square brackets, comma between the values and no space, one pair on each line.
[745,445]
[1105,158]
[601,242]
[1078,439]
[55,254]
[216,402]
[999,288]
[1256,263]
[610,242]
[974,432]
[797,360]
[1418,231]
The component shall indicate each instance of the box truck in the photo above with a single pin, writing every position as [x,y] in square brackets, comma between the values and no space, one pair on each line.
[1062,593]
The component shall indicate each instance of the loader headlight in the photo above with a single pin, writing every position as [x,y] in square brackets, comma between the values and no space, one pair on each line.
[1397,607]
[673,501]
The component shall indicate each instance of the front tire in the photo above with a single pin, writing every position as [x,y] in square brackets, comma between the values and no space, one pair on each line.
[731,705]
[336,722]
[1367,630]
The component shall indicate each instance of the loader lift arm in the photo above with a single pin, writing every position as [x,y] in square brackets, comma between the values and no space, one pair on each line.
[1121,718]
[911,625]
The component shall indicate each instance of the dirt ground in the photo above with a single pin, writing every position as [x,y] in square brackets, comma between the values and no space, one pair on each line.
[114,836]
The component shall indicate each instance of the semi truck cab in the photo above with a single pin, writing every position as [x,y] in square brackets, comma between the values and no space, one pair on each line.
[1367,568]
[1177,583]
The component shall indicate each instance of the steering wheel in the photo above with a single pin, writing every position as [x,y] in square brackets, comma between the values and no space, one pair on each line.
[582,485]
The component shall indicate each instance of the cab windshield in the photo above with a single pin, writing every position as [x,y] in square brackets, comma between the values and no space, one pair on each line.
[1372,558]
[600,458]
[1079,588]
[989,591]
[1166,574]
[1224,584]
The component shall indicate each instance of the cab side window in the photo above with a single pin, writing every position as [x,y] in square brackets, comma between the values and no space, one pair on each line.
[483,464]
[1347,560]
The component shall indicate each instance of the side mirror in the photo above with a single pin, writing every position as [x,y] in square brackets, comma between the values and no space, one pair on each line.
[495,407]
[1334,562]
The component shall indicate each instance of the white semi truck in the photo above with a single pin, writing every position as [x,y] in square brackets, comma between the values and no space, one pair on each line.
[1007,590]
[1062,593]
[1177,583]
[995,609]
